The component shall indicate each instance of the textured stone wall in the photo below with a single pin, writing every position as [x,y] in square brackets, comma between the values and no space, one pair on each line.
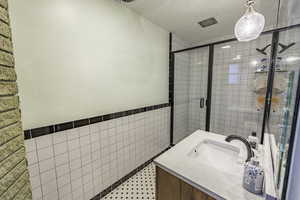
[14,177]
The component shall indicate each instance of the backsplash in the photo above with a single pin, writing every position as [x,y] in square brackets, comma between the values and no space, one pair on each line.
[82,162]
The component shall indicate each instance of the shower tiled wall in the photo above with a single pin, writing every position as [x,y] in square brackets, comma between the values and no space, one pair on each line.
[190,86]
[234,102]
[80,163]
[181,97]
[181,90]
[233,105]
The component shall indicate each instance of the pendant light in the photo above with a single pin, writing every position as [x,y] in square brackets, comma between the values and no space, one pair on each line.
[250,25]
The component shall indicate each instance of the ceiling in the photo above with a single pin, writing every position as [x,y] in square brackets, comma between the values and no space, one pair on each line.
[182,16]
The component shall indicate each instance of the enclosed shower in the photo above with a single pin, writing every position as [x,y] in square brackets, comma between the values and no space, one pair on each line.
[241,88]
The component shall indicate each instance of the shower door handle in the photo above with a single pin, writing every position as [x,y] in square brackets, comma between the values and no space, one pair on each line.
[202,102]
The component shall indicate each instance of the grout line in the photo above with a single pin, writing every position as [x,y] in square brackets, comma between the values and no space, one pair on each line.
[23,172]
[81,166]
[16,165]
[24,185]
[13,123]
[6,51]
[10,109]
[7,37]
[28,193]
[55,169]
[91,162]
[4,7]
[7,66]
[8,95]
[38,165]
[68,152]
[9,141]
[12,152]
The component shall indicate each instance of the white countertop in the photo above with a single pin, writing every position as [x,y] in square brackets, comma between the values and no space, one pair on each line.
[216,183]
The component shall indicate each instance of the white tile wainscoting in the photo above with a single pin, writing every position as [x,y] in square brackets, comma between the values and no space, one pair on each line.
[79,163]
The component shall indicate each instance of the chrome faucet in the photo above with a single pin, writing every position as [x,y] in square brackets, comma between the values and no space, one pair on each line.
[250,153]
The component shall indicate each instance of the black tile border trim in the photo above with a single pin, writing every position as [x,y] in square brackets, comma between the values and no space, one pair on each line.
[41,131]
[125,178]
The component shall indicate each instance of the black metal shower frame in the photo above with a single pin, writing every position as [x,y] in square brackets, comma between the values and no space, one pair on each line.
[268,103]
[274,46]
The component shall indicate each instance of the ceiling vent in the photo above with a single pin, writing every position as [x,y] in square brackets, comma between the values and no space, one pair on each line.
[127,1]
[208,22]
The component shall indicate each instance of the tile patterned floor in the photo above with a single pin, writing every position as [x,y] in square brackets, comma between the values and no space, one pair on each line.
[139,187]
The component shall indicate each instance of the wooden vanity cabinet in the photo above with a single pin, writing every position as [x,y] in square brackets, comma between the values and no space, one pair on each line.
[169,187]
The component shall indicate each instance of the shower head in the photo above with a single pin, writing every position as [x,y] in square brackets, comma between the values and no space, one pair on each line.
[282,46]
[263,50]
[285,47]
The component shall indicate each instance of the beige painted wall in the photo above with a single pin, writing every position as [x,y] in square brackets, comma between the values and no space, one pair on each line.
[82,58]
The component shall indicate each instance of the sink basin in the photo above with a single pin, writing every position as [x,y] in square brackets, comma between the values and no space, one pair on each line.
[222,156]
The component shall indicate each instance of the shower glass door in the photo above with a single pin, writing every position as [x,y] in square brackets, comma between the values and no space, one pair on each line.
[239,86]
[198,89]
[190,92]
[286,80]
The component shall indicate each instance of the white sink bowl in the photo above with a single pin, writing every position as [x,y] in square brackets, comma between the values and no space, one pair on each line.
[222,156]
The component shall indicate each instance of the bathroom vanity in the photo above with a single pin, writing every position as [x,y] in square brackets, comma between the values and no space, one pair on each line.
[169,187]
[203,166]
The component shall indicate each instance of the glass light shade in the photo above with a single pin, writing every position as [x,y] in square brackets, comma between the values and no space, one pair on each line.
[250,25]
